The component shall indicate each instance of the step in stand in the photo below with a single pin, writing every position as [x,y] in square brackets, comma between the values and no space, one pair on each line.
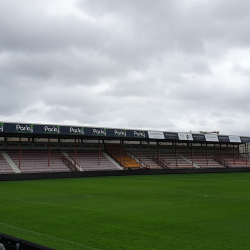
[11,163]
[112,160]
[192,163]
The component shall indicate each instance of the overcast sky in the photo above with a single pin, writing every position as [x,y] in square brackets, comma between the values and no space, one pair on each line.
[175,65]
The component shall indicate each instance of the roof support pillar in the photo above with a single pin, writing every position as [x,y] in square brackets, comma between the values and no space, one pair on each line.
[121,151]
[20,145]
[176,154]
[233,154]
[140,152]
[206,154]
[99,153]
[192,153]
[75,153]
[49,152]
[158,153]
[246,153]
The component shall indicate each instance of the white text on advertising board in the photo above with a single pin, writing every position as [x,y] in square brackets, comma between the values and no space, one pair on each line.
[99,132]
[139,134]
[52,129]
[120,133]
[77,130]
[26,128]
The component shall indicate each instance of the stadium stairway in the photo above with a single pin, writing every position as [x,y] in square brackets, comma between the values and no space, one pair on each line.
[115,151]
[147,159]
[68,157]
[112,160]
[192,163]
[10,162]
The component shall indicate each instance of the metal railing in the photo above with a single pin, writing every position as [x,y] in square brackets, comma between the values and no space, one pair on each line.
[223,162]
[72,165]
[161,163]
[143,164]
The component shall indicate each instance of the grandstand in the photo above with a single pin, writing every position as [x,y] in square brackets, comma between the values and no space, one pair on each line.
[39,148]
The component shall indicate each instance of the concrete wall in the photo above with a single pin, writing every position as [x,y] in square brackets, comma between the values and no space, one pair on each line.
[37,176]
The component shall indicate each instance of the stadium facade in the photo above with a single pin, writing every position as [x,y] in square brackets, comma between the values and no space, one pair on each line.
[27,147]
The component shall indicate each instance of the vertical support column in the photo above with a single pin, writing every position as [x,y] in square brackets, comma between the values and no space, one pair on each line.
[75,153]
[5,143]
[176,154]
[121,151]
[99,153]
[220,152]
[140,152]
[233,154]
[192,153]
[245,148]
[49,152]
[33,143]
[158,153]
[247,152]
[20,145]
[206,154]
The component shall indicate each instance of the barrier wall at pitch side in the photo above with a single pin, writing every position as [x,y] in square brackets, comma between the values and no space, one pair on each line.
[13,243]
[38,176]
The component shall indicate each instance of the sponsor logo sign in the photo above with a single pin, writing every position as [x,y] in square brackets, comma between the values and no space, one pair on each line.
[171,136]
[76,131]
[120,133]
[100,131]
[1,127]
[199,137]
[223,138]
[139,134]
[245,139]
[211,137]
[185,136]
[155,135]
[234,138]
[51,130]
[24,128]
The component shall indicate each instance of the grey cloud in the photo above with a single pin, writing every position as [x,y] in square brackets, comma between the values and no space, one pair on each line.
[162,65]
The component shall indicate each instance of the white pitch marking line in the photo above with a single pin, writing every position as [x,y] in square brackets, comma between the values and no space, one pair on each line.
[52,217]
[51,204]
[57,238]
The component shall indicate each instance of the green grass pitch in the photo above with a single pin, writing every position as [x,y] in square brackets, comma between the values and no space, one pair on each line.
[202,211]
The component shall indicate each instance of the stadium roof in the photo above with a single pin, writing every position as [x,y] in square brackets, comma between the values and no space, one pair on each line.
[67,131]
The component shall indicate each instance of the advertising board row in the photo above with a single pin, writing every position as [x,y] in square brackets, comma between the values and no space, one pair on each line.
[119,133]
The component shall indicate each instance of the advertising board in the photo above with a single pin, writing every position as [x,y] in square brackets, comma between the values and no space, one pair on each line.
[185,136]
[155,135]
[211,137]
[234,138]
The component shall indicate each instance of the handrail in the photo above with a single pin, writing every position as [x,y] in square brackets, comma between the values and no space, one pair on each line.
[163,164]
[167,163]
[133,157]
[223,162]
[69,163]
[144,165]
